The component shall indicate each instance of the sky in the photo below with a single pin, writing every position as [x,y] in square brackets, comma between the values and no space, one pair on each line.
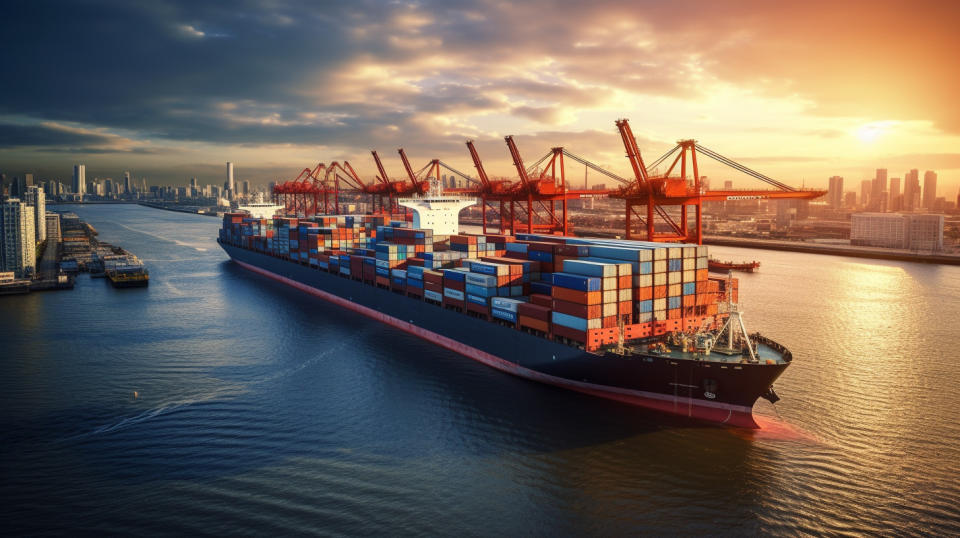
[170,90]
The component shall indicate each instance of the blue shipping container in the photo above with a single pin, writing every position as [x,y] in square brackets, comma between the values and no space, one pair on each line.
[576,282]
[569,321]
[504,314]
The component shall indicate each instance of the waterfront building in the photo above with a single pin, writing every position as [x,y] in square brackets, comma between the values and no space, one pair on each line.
[126,183]
[850,200]
[53,226]
[835,192]
[79,179]
[37,199]
[905,231]
[18,246]
[865,187]
[929,189]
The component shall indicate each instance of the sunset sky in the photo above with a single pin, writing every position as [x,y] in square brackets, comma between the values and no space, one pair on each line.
[169,90]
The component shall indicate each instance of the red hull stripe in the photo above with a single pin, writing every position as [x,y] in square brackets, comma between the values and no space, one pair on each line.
[734,415]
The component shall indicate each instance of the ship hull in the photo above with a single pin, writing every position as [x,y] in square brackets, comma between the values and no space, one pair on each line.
[650,381]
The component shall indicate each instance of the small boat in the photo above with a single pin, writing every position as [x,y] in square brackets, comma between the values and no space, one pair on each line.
[746,267]
[126,271]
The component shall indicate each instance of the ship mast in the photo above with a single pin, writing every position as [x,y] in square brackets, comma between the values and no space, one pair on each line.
[735,322]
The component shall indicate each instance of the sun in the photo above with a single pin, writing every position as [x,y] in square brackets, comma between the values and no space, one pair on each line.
[868,133]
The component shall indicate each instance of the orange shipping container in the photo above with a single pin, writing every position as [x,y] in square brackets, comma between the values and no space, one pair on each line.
[659,292]
[625,282]
[689,300]
[643,294]
[575,296]
[535,324]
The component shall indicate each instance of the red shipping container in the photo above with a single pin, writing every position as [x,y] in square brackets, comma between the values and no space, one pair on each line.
[625,282]
[659,292]
[534,311]
[478,308]
[577,310]
[567,332]
[625,308]
[609,322]
[533,323]
[433,286]
[383,281]
[452,302]
[541,299]
[673,313]
[454,285]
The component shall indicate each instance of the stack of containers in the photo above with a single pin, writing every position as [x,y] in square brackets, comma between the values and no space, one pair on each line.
[577,305]
[454,287]
[535,316]
[480,287]
[505,309]
[398,280]
[415,280]
[433,286]
[616,285]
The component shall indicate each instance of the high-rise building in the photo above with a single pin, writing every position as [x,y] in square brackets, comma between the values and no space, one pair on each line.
[126,183]
[53,226]
[850,199]
[728,185]
[929,189]
[877,189]
[27,180]
[895,200]
[79,179]
[911,190]
[865,187]
[835,192]
[17,238]
[229,183]
[246,187]
[37,199]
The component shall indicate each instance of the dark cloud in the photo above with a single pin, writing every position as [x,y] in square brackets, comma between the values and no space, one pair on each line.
[362,74]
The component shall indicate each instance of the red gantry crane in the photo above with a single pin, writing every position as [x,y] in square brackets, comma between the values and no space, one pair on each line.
[653,192]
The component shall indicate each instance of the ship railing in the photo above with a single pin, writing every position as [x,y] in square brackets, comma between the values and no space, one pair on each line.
[776,346]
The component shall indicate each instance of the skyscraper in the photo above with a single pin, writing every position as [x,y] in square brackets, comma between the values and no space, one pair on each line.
[911,190]
[865,187]
[896,202]
[37,199]
[877,190]
[835,192]
[229,184]
[126,182]
[246,187]
[79,179]
[929,189]
[17,237]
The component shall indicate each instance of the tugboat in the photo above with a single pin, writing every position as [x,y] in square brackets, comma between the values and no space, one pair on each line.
[719,266]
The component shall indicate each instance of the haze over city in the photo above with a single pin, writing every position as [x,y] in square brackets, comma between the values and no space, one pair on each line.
[172,90]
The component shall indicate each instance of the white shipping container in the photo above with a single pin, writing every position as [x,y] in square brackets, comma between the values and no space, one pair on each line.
[610,309]
[660,304]
[644,317]
[610,296]
[660,279]
[625,295]
[702,263]
[689,264]
[690,276]
[660,266]
[702,251]
[675,253]
[675,290]
[609,283]
[595,323]
[643,281]
[690,252]
[674,277]
[660,315]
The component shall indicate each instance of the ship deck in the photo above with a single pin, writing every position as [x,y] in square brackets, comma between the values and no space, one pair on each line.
[764,353]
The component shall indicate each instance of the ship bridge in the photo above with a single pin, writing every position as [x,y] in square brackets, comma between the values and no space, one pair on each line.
[437,210]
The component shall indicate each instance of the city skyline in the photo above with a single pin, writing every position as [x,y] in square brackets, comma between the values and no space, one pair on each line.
[732,77]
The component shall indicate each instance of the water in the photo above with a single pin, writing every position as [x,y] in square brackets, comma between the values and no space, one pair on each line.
[261,411]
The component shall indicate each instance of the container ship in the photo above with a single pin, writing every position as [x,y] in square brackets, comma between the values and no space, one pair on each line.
[638,322]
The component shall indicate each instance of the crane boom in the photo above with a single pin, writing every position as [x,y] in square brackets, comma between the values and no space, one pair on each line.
[383,173]
[479,165]
[518,161]
[408,168]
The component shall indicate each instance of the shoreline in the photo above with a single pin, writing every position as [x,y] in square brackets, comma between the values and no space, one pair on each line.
[165,208]
[847,251]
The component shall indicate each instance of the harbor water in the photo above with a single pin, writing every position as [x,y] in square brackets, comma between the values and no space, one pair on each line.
[216,401]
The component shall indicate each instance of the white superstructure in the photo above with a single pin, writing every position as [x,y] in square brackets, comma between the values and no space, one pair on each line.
[437,211]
